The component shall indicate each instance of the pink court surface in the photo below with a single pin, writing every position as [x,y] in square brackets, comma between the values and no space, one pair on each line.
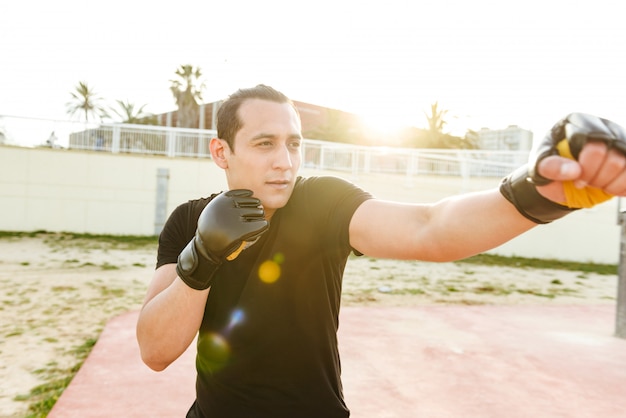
[429,361]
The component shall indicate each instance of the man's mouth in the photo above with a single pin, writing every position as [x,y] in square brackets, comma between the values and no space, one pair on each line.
[278,183]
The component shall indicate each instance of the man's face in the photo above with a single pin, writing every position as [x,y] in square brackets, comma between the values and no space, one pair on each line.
[266,155]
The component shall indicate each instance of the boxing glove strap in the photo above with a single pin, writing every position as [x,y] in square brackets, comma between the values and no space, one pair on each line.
[194,269]
[522,193]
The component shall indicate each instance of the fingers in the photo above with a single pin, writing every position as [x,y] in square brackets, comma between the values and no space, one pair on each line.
[239,193]
[591,160]
[559,168]
[247,202]
[609,176]
[598,167]
[253,214]
[602,168]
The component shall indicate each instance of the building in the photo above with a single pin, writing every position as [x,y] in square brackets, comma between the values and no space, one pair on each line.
[317,122]
[512,138]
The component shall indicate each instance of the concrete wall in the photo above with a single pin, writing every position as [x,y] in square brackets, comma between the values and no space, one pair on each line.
[103,193]
[94,192]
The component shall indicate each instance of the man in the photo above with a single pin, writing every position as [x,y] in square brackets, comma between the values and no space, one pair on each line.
[256,271]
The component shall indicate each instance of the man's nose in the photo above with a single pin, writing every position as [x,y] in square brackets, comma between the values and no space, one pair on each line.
[283,158]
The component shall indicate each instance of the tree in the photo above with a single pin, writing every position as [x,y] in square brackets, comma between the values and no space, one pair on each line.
[436,136]
[337,127]
[187,90]
[86,101]
[471,140]
[436,124]
[129,114]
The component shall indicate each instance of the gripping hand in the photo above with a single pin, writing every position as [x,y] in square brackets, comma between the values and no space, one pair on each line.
[567,138]
[231,222]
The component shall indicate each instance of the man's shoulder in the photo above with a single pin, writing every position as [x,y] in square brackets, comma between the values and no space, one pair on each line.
[323,182]
[199,202]
[328,191]
[193,207]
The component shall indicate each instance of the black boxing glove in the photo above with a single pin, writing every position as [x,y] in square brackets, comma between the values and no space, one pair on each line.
[519,189]
[231,222]
[566,138]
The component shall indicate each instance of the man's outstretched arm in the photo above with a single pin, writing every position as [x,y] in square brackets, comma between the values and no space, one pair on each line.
[580,163]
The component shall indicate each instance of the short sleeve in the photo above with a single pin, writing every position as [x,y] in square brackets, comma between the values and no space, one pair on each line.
[178,230]
[332,201]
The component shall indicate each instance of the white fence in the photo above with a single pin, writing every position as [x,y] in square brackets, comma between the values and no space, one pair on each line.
[194,143]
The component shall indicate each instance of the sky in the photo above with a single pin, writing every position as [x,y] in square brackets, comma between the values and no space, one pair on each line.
[488,63]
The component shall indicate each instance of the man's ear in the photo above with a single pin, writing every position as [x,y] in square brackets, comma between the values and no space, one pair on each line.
[219,152]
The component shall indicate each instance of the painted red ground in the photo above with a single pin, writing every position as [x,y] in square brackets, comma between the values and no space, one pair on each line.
[431,361]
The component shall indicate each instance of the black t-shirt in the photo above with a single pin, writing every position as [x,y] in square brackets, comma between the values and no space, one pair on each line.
[267,345]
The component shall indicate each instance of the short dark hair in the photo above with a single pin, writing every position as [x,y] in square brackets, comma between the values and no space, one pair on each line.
[228,121]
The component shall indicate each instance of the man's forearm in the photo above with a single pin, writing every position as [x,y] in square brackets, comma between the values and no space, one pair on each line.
[473,223]
[169,322]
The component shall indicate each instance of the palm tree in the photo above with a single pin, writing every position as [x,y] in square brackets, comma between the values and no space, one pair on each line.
[85,100]
[187,90]
[436,124]
[129,114]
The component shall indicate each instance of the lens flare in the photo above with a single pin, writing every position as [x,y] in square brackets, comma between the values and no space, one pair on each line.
[213,352]
[235,319]
[269,271]
[279,258]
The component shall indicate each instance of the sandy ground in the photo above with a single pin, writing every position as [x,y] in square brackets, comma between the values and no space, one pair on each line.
[57,293]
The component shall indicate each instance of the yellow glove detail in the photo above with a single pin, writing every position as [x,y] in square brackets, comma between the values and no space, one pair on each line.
[586,197]
[236,253]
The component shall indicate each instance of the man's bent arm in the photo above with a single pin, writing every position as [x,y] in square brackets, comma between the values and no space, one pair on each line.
[170,318]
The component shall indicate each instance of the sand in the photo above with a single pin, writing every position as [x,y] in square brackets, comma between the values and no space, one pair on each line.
[58,292]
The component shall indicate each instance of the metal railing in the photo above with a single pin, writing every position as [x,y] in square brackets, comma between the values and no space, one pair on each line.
[194,143]
[410,161]
[144,139]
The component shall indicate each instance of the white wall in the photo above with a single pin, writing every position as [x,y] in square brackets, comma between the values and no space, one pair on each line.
[93,192]
[103,193]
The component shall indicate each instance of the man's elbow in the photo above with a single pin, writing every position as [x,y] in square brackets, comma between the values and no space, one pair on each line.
[151,356]
[154,362]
